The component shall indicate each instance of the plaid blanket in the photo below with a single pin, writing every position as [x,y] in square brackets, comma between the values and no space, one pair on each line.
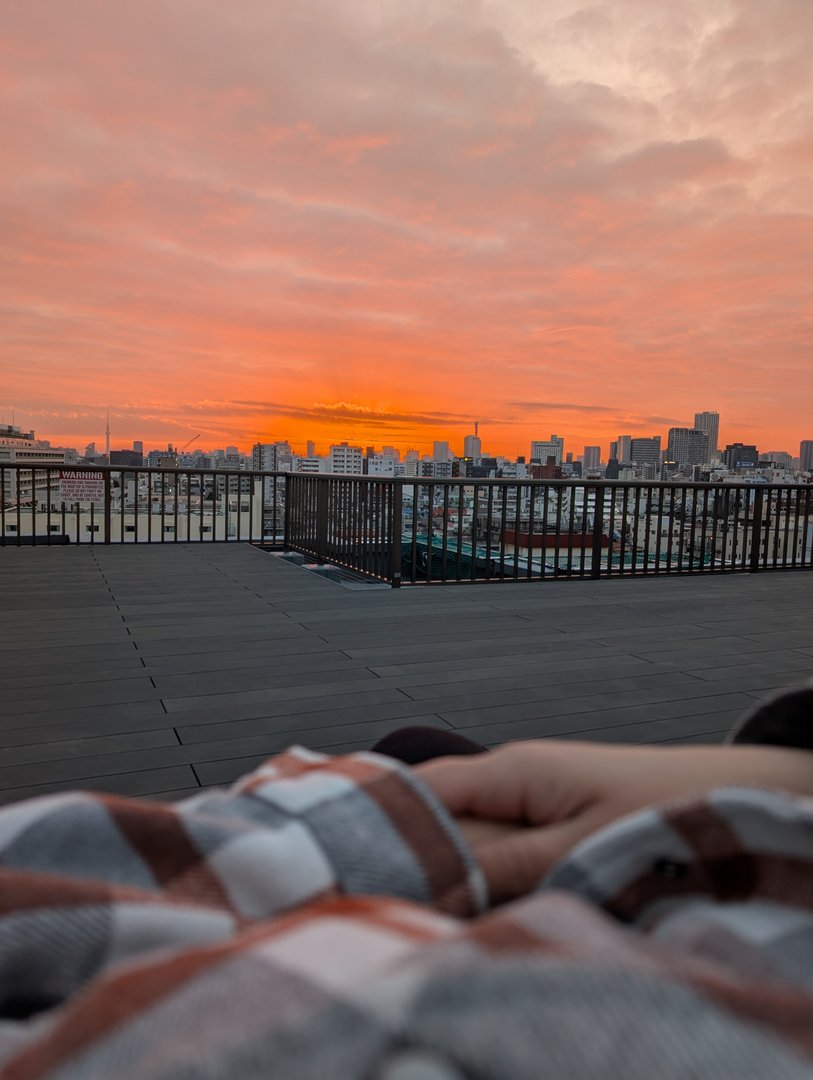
[323,918]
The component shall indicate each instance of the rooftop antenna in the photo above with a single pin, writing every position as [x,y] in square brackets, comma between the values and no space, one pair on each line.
[476,428]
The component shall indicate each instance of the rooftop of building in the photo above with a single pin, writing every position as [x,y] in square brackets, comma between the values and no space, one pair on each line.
[155,670]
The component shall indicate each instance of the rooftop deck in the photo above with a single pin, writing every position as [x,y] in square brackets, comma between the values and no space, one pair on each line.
[156,670]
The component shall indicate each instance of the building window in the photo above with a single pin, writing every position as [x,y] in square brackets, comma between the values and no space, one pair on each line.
[92,528]
[56,528]
[129,528]
[206,528]
[11,528]
[169,528]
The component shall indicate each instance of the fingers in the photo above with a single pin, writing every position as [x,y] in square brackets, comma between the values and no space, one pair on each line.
[473,786]
[525,782]
[515,864]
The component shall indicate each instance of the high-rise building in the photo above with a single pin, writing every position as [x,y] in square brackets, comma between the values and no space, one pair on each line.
[688,446]
[740,456]
[646,451]
[126,457]
[709,422]
[138,447]
[553,447]
[592,457]
[23,448]
[310,449]
[309,464]
[347,460]
[624,447]
[378,465]
[806,455]
[270,457]
[440,451]
[439,470]
[472,447]
[264,457]
[780,458]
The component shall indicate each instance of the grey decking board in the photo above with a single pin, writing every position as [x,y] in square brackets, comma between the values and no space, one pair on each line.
[659,730]
[70,749]
[225,769]
[120,715]
[603,711]
[38,699]
[70,674]
[528,672]
[401,709]
[542,687]
[310,655]
[227,710]
[572,725]
[218,682]
[42,655]
[358,681]
[133,783]
[58,728]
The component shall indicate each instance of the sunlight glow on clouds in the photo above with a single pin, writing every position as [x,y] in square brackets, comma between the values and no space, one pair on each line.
[382,221]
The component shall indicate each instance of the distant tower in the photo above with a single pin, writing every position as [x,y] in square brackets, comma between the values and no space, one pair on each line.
[472,447]
[107,438]
[709,424]
[806,455]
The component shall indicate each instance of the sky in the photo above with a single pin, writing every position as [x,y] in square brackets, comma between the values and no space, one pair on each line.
[380,220]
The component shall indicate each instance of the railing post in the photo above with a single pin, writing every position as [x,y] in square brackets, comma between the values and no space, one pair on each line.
[598,524]
[396,534]
[756,530]
[108,507]
[286,520]
[321,521]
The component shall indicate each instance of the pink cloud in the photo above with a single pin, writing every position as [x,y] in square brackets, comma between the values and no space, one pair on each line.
[444,211]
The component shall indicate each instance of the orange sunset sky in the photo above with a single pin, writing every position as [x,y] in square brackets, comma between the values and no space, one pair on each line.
[378,221]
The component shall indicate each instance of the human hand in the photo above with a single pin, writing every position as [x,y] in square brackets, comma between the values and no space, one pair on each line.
[525,805]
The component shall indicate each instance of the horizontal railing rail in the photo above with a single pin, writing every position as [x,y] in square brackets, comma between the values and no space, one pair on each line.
[422,530]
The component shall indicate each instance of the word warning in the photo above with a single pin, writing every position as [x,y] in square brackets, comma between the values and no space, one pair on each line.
[80,487]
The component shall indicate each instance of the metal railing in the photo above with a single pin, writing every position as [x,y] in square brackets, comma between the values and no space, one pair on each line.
[351,521]
[422,531]
[112,505]
[499,530]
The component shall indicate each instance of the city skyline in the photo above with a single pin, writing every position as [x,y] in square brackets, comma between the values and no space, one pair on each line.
[503,445]
[685,445]
[379,223]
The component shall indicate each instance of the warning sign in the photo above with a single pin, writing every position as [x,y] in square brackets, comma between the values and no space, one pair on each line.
[81,487]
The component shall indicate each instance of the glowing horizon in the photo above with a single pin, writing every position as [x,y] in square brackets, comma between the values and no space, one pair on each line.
[340,221]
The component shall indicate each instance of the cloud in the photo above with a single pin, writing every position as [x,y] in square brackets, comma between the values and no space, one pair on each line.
[435,207]
[559,406]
